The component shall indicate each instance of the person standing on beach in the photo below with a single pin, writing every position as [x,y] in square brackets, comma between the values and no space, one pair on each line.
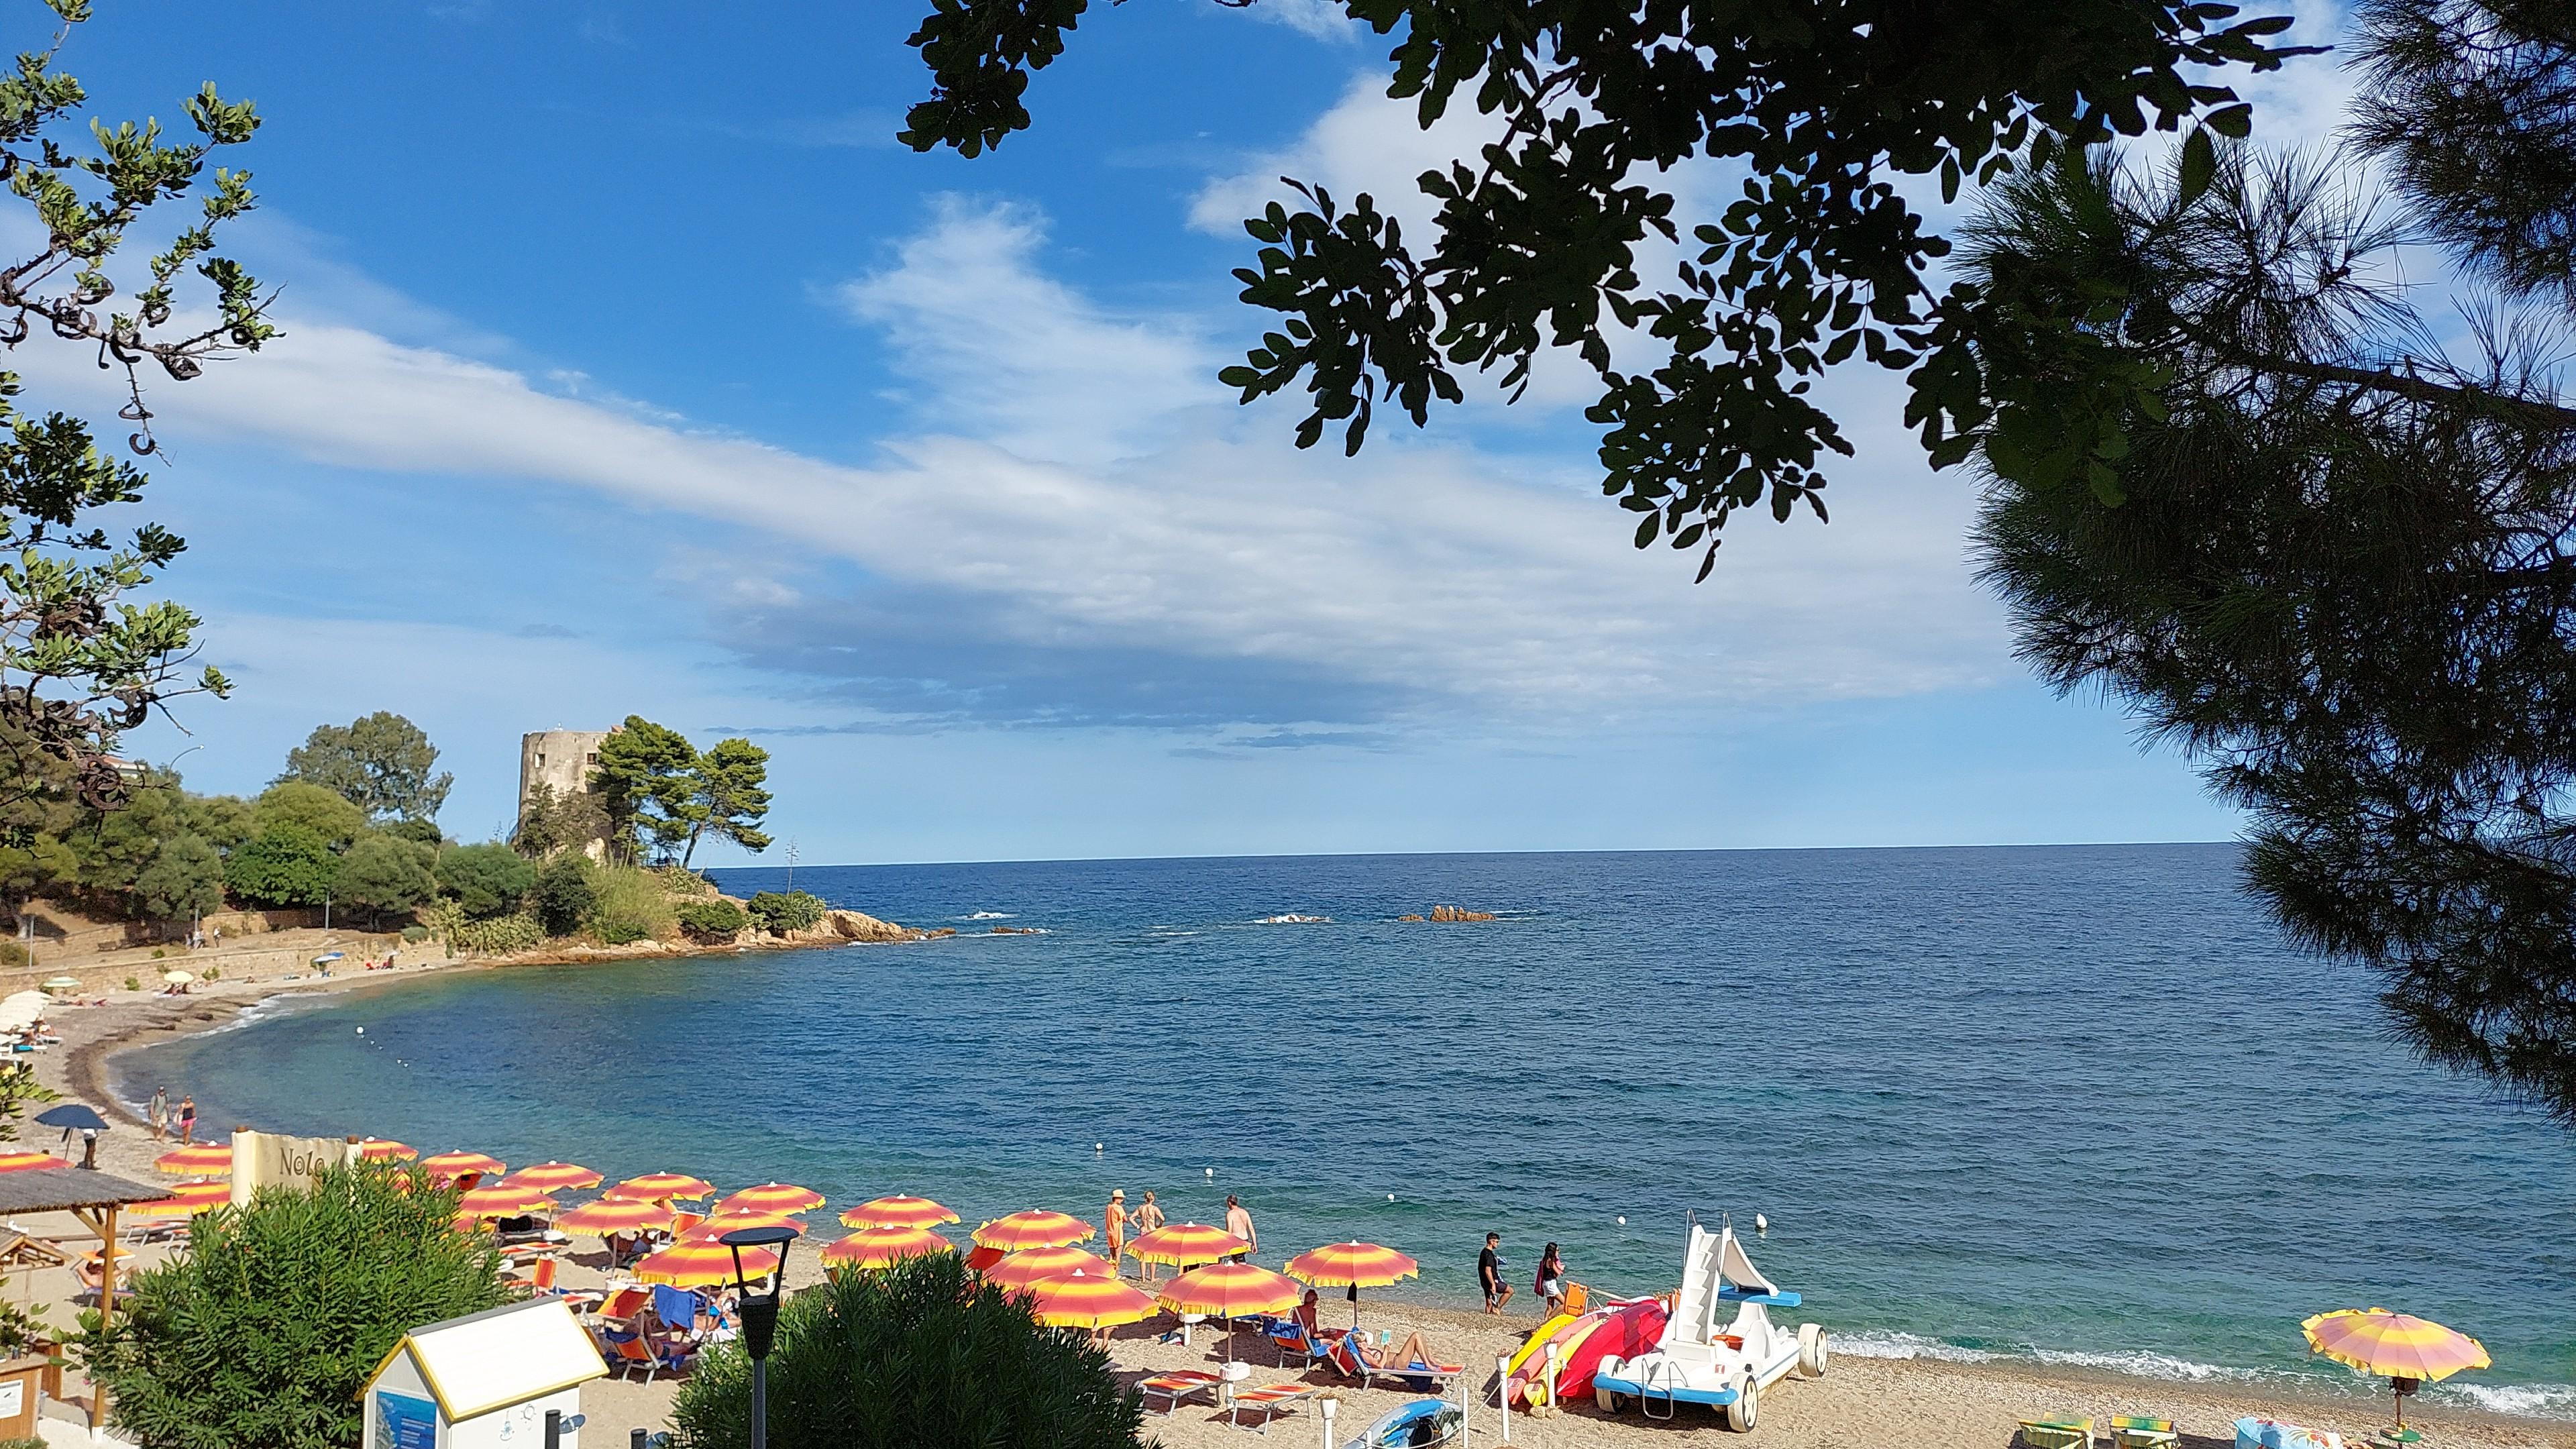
[187,1121]
[1489,1272]
[1113,1226]
[1551,1280]
[1148,1217]
[1238,1221]
[160,1113]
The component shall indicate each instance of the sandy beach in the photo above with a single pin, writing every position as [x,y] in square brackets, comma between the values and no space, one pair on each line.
[1939,1404]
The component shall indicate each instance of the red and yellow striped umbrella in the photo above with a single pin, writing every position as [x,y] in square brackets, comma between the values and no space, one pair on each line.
[1352,1265]
[1183,1244]
[553,1177]
[203,1160]
[700,1263]
[2404,1350]
[385,1149]
[775,1198]
[1032,1229]
[29,1161]
[723,1223]
[188,1197]
[662,1185]
[617,1217]
[501,1200]
[883,1247]
[448,1166]
[1080,1300]
[1020,1269]
[1230,1290]
[898,1211]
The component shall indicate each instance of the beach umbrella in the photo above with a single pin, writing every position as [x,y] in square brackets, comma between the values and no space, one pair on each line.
[1032,1229]
[177,978]
[617,1217]
[722,1223]
[1080,1300]
[662,1185]
[1230,1290]
[61,983]
[501,1200]
[385,1149]
[1185,1245]
[188,1197]
[702,1262]
[773,1198]
[979,1257]
[898,1211]
[203,1160]
[448,1166]
[552,1177]
[1354,1266]
[2403,1350]
[1020,1269]
[883,1247]
[29,1161]
[72,1117]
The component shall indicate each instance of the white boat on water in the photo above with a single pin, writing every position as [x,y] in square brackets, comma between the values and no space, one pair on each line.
[1697,1361]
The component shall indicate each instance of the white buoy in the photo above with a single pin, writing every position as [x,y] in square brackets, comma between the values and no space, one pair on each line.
[1623,1220]
[1211,1172]
[362,1031]
[1390,1197]
[1761,1226]
[1099,1147]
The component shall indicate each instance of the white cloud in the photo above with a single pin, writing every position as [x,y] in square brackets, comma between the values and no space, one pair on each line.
[1447,575]
[1363,142]
[1322,19]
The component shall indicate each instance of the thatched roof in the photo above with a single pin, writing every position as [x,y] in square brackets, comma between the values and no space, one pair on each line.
[60,1189]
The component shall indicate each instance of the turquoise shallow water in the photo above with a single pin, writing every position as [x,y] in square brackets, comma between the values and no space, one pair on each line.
[2072,1103]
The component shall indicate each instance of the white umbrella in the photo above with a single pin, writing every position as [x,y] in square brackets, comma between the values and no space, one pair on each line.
[22,1008]
[176,977]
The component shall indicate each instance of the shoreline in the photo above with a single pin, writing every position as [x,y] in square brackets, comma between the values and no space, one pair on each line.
[94,1038]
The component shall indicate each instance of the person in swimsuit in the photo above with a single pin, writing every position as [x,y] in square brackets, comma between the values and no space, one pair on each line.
[1238,1221]
[1398,1356]
[187,1121]
[1551,1279]
[1147,1218]
[1113,1225]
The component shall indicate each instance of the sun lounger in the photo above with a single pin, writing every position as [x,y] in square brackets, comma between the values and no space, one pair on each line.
[1177,1385]
[2057,1433]
[1271,1400]
[633,1353]
[2136,1433]
[1291,1339]
[1343,1353]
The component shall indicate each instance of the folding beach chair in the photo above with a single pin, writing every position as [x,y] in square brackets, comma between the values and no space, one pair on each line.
[1270,1400]
[2057,1433]
[1291,1339]
[1177,1385]
[540,1279]
[635,1353]
[2136,1433]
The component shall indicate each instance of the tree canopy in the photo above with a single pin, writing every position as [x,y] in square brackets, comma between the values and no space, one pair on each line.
[81,660]
[661,796]
[380,763]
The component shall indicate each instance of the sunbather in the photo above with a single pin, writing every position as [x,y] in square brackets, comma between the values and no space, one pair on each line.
[1399,1356]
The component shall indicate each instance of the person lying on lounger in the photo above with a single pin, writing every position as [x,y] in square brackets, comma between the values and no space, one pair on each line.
[1399,1357]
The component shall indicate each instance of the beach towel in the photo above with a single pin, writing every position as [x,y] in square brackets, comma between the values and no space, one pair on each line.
[677,1307]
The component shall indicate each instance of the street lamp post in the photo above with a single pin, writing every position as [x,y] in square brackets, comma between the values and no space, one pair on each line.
[759,1315]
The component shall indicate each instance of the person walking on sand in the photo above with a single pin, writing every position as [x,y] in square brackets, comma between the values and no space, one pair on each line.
[160,1113]
[1148,1217]
[1238,1221]
[1113,1227]
[1551,1280]
[187,1121]
[1489,1273]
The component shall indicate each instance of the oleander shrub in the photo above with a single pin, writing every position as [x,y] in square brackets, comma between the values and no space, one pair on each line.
[716,920]
[780,914]
[925,1355]
[265,1330]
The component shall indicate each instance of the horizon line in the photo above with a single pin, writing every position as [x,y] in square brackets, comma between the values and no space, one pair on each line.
[1418,854]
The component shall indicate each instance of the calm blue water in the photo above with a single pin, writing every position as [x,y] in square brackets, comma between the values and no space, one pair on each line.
[2072,1102]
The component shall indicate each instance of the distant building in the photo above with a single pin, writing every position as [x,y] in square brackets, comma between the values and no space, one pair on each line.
[560,760]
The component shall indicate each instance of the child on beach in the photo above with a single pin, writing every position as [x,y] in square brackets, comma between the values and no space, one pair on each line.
[1551,1280]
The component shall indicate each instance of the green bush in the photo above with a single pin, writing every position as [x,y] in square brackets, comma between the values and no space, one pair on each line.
[12,954]
[922,1356]
[567,890]
[780,914]
[160,952]
[264,1331]
[133,983]
[385,874]
[413,935]
[498,935]
[716,920]
[286,864]
[486,880]
[632,906]
[210,973]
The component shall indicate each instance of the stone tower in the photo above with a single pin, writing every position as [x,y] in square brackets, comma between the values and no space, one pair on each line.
[559,759]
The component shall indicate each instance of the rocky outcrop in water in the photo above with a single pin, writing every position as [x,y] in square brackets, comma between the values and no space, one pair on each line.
[1459,913]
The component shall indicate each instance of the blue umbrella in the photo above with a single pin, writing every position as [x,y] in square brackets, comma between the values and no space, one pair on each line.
[71,1117]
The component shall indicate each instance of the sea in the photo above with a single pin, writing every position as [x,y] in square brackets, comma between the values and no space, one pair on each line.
[2071,1105]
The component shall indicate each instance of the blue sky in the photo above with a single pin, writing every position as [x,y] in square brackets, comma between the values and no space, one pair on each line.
[631,367]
